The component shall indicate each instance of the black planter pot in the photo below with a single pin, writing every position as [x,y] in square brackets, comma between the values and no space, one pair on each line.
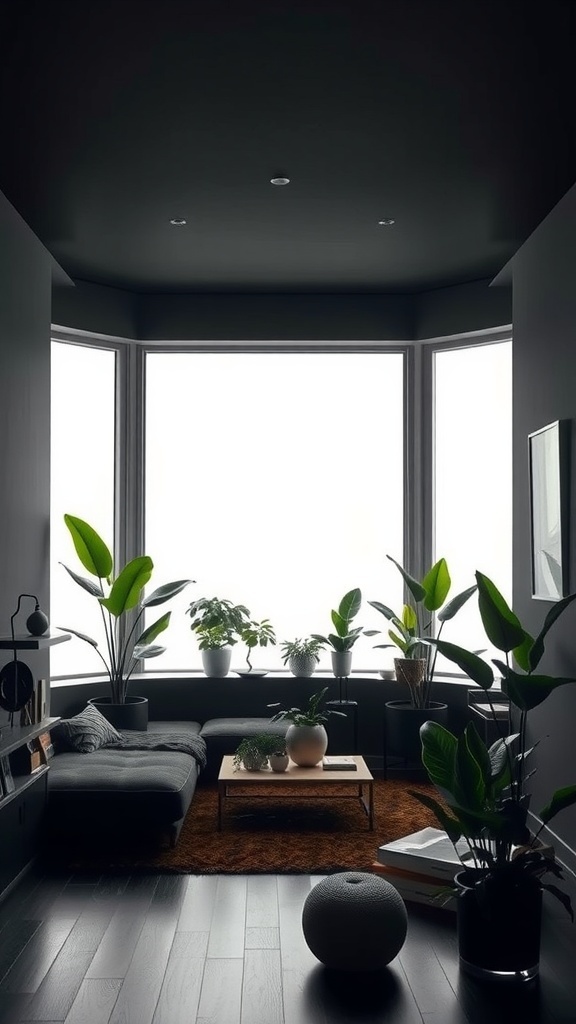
[131,715]
[499,925]
[402,726]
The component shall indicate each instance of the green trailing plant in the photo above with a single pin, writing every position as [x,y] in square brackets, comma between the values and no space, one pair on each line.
[257,634]
[314,714]
[217,622]
[413,628]
[345,636]
[308,647]
[118,596]
[485,801]
[253,751]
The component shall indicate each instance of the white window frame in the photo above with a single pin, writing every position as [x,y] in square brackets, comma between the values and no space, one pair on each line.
[129,490]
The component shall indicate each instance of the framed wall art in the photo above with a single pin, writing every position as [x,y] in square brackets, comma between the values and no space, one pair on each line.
[548,472]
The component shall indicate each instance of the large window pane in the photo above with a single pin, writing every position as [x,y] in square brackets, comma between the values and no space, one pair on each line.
[82,484]
[275,480]
[473,477]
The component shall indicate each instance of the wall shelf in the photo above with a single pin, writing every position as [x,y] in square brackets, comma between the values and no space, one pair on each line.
[31,643]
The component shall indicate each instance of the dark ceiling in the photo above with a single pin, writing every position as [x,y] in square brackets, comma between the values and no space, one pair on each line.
[454,117]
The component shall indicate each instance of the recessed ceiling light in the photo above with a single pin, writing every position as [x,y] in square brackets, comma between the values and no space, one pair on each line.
[279,181]
[178,222]
[387,222]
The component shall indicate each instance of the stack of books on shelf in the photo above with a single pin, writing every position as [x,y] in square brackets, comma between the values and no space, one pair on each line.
[421,865]
[36,710]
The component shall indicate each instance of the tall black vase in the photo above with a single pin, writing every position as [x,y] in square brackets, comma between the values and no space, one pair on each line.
[402,724]
[499,925]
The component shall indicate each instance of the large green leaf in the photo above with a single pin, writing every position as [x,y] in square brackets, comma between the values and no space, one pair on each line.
[165,592]
[438,755]
[469,785]
[415,588]
[151,632]
[81,636]
[350,604]
[383,609]
[501,625]
[480,753]
[150,651]
[455,604]
[522,653]
[90,548]
[128,587]
[555,612]
[340,624]
[473,666]
[409,619]
[500,761]
[92,588]
[527,692]
[561,799]
[436,584]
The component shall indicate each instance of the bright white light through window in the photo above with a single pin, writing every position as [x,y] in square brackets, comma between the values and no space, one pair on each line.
[82,484]
[275,480]
[473,478]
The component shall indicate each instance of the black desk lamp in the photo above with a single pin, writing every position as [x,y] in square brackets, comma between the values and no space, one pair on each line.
[16,681]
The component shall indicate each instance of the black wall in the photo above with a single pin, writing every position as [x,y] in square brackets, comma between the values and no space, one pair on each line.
[25,301]
[545,390]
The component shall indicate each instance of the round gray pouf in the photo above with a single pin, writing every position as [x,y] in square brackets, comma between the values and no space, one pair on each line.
[354,921]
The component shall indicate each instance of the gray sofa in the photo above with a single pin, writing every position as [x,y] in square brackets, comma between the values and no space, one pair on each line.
[145,790]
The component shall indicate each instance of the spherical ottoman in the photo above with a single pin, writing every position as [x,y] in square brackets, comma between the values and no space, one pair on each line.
[354,921]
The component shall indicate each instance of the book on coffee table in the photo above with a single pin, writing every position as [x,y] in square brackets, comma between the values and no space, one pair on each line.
[339,763]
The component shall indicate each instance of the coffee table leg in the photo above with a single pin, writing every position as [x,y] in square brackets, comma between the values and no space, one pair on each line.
[220,795]
[371,806]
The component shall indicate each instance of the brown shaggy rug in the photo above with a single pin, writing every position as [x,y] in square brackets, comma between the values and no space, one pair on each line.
[303,836]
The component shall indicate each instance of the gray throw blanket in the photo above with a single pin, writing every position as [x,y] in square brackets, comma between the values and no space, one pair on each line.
[181,742]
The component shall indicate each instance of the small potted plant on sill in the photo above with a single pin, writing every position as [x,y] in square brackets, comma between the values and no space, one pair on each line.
[306,737]
[118,596]
[343,640]
[411,635]
[301,656]
[256,634]
[486,803]
[218,625]
[253,752]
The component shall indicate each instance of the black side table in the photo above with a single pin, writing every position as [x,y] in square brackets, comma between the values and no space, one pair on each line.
[350,708]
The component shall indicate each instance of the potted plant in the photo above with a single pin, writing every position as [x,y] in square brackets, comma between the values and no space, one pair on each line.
[306,737]
[218,625]
[120,596]
[411,634]
[301,656]
[256,634]
[253,752]
[343,640]
[485,800]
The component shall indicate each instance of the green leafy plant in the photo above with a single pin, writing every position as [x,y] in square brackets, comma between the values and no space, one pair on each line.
[217,622]
[118,596]
[314,714]
[484,788]
[308,647]
[253,751]
[345,636]
[257,634]
[413,628]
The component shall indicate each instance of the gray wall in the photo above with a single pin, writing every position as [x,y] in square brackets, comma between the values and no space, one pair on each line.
[544,391]
[323,317]
[25,300]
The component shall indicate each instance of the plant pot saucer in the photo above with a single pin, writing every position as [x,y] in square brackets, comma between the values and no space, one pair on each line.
[256,673]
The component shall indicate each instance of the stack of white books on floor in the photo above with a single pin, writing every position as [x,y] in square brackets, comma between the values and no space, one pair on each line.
[421,865]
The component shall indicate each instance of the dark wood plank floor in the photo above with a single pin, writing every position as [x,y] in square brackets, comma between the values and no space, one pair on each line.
[194,949]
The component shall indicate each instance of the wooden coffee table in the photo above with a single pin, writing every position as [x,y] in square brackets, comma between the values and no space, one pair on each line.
[359,782]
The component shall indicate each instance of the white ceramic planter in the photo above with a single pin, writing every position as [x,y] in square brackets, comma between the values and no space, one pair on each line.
[306,744]
[216,662]
[341,663]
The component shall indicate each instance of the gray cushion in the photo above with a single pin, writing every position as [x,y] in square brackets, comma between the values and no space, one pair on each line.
[84,733]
